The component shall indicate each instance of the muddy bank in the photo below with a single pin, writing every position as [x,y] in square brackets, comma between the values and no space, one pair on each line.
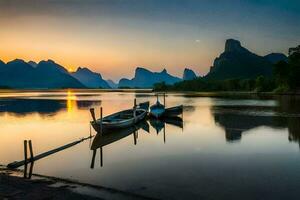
[14,186]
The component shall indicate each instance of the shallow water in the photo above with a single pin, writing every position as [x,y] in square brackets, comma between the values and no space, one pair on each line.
[227,148]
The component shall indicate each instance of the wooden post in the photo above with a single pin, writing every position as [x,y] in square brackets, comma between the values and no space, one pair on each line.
[17,164]
[93,159]
[25,152]
[30,170]
[92,111]
[31,151]
[90,130]
[164,99]
[134,110]
[101,157]
[134,137]
[101,117]
[164,133]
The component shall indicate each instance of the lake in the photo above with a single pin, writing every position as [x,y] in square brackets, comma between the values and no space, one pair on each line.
[224,148]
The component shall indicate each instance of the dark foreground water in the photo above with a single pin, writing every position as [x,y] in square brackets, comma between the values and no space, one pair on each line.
[224,148]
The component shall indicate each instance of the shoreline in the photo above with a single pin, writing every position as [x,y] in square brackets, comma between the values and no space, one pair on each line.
[14,185]
[146,90]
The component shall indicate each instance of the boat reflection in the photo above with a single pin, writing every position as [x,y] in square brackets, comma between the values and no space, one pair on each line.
[159,124]
[106,138]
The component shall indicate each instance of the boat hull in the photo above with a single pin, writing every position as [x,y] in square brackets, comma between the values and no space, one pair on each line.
[113,125]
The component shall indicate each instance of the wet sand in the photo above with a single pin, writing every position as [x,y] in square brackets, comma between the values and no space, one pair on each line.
[14,186]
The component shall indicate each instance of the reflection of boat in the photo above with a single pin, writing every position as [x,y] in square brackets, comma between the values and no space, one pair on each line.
[122,119]
[175,121]
[159,124]
[173,111]
[101,140]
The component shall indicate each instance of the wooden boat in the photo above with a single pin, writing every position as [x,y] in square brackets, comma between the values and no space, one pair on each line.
[122,119]
[157,110]
[102,140]
[173,111]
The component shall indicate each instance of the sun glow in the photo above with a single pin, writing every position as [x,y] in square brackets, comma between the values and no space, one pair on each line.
[71,70]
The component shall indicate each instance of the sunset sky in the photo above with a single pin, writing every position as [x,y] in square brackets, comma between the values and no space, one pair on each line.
[113,37]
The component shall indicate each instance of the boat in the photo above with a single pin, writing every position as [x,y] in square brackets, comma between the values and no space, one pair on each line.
[122,119]
[173,111]
[157,110]
[102,140]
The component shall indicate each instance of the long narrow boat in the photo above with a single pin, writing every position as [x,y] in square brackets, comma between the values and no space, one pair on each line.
[157,110]
[102,140]
[122,119]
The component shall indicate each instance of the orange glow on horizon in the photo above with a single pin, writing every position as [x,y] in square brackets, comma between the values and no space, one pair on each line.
[70,69]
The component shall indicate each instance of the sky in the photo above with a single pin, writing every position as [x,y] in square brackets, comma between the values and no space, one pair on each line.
[113,37]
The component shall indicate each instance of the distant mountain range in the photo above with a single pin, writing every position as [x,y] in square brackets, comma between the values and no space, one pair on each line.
[48,75]
[90,79]
[144,78]
[235,62]
[238,62]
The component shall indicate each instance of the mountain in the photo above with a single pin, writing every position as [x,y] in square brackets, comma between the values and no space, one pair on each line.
[276,57]
[188,74]
[144,78]
[238,62]
[112,84]
[32,63]
[90,79]
[56,76]
[47,74]
[17,74]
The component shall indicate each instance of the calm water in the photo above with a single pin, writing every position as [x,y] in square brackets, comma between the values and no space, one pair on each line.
[225,148]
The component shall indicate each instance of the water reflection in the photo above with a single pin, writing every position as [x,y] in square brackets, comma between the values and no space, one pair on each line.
[28,172]
[104,139]
[236,120]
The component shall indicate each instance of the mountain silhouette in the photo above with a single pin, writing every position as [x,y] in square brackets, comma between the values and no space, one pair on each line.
[47,74]
[188,74]
[90,79]
[276,57]
[238,62]
[144,78]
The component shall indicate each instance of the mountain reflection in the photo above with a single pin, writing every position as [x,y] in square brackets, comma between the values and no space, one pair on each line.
[237,119]
[45,107]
